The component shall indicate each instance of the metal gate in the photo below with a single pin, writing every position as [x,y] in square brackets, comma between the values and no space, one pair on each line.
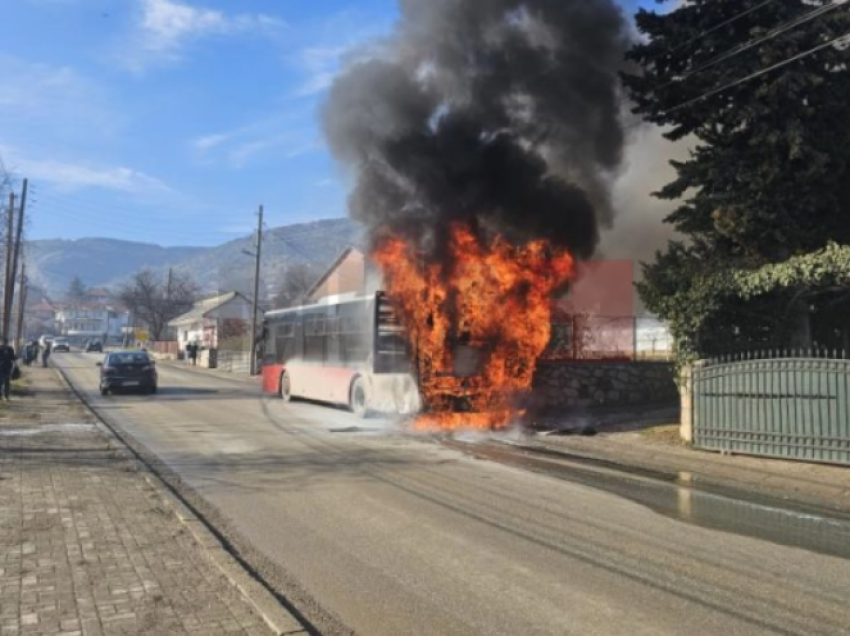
[791,405]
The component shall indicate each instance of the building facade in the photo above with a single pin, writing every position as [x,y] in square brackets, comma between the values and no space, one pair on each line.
[213,320]
[92,320]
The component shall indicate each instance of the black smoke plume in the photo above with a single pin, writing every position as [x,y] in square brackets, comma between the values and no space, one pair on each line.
[501,113]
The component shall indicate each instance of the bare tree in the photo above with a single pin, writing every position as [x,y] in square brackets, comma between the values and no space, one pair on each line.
[154,302]
[294,285]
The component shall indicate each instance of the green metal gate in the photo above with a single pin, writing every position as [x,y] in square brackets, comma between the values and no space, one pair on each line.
[795,406]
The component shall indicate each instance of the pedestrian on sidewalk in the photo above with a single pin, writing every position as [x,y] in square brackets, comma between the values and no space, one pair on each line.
[193,353]
[7,366]
[45,355]
[26,354]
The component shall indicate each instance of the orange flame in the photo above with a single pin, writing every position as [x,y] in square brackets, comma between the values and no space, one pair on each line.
[491,303]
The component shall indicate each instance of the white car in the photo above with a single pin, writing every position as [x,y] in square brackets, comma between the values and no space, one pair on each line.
[61,345]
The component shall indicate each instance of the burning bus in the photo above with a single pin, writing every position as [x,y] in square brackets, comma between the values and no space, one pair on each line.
[457,343]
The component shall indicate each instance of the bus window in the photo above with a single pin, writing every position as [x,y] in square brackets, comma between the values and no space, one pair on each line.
[355,335]
[333,354]
[284,342]
[392,353]
[314,338]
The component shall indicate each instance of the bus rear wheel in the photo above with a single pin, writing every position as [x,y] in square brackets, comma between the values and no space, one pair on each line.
[285,387]
[357,399]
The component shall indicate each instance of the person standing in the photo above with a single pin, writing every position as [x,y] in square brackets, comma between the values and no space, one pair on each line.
[7,366]
[45,355]
[193,353]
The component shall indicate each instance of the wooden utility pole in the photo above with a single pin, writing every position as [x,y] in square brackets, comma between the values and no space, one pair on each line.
[17,247]
[258,255]
[22,302]
[8,289]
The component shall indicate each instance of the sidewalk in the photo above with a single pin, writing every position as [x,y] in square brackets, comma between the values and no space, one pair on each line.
[88,545]
[660,450]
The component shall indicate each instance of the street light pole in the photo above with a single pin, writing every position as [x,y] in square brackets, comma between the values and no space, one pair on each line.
[258,256]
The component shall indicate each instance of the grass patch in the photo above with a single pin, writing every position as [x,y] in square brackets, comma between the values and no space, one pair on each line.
[21,386]
[666,433]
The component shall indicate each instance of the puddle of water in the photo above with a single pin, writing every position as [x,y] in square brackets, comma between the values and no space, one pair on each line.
[681,497]
[46,428]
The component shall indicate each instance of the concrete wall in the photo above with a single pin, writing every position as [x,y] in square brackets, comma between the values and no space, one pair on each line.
[565,385]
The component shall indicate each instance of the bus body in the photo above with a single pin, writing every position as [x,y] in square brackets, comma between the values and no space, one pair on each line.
[349,351]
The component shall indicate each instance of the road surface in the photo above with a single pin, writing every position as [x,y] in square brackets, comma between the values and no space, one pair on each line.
[393,535]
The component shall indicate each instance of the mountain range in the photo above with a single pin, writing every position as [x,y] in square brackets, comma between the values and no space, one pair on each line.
[102,262]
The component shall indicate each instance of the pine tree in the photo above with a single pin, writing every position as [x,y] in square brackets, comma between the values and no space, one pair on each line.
[76,289]
[769,177]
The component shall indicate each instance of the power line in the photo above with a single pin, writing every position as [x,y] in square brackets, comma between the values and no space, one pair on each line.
[750,44]
[717,27]
[759,73]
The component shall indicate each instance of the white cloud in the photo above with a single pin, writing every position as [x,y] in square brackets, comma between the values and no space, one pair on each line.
[76,176]
[321,64]
[326,47]
[290,133]
[166,27]
[243,152]
[209,142]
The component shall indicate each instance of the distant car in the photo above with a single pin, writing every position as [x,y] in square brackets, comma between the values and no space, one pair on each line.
[127,370]
[61,345]
[94,346]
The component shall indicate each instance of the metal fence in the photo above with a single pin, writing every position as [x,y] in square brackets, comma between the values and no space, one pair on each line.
[596,337]
[790,404]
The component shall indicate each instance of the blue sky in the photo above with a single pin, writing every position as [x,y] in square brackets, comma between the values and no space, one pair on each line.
[170,121]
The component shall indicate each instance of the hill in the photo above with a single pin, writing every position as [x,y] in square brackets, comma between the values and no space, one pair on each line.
[52,264]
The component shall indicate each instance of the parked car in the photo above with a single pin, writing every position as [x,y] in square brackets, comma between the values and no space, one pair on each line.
[94,346]
[127,370]
[61,345]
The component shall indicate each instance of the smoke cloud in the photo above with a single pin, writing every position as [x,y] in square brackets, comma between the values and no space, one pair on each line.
[505,114]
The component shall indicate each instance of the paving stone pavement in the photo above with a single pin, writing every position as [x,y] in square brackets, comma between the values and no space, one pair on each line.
[87,545]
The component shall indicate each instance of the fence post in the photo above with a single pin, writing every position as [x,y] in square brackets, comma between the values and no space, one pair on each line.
[686,400]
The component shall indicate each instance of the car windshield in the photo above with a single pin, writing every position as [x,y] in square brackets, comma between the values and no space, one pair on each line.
[129,357]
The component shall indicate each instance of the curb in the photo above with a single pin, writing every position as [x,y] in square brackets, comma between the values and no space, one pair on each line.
[278,618]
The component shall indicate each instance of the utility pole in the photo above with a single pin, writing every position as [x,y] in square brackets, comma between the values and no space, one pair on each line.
[7,291]
[17,248]
[22,302]
[258,255]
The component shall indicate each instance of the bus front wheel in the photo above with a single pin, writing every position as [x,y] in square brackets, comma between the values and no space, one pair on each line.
[357,399]
[285,387]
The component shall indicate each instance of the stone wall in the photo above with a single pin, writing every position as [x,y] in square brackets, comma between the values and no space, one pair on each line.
[584,384]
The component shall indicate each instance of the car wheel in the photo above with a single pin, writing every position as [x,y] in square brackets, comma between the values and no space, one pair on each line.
[104,391]
[285,387]
[152,389]
[357,399]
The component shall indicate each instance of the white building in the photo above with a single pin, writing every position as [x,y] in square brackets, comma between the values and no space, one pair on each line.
[92,320]
[212,319]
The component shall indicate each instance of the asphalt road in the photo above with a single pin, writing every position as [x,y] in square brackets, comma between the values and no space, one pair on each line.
[399,536]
